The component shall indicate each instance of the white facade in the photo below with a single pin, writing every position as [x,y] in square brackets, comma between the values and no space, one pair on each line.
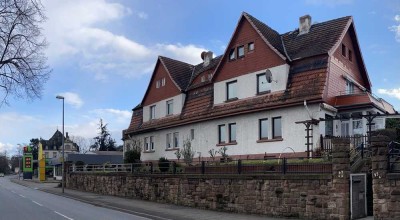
[247,84]
[161,107]
[247,134]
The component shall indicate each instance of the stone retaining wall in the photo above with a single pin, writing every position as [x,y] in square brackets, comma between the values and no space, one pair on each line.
[386,186]
[307,196]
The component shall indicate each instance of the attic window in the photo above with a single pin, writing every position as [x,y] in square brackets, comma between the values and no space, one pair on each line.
[343,50]
[250,46]
[203,78]
[240,51]
[232,54]
[163,81]
[158,84]
[350,55]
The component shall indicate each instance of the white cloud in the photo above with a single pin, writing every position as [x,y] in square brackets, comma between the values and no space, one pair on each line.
[7,147]
[78,30]
[72,99]
[120,116]
[396,28]
[142,15]
[390,92]
[329,3]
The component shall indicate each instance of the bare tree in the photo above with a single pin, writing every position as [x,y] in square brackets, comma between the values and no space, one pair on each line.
[83,143]
[23,68]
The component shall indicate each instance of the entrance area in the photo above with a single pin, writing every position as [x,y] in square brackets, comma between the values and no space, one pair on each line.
[358,197]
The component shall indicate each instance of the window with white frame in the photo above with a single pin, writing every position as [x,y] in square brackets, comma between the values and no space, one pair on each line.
[169,141]
[357,126]
[176,139]
[152,143]
[240,51]
[262,85]
[46,154]
[158,84]
[54,154]
[232,54]
[146,144]
[163,81]
[349,87]
[277,128]
[170,107]
[250,46]
[152,112]
[192,134]
[221,134]
[232,132]
[263,129]
[231,90]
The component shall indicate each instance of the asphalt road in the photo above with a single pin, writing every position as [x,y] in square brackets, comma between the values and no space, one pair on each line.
[19,202]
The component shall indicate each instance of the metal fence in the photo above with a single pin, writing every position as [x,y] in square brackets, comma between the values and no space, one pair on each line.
[394,157]
[248,166]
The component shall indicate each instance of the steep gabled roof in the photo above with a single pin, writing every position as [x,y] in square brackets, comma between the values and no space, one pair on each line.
[321,38]
[179,71]
[270,35]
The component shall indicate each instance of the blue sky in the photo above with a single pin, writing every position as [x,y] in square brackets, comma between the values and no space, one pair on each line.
[102,53]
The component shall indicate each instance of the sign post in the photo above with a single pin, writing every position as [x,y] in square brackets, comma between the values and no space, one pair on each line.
[27,163]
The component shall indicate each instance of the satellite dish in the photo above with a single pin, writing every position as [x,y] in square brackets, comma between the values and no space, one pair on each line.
[268,76]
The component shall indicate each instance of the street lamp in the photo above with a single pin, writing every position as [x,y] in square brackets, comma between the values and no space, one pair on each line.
[63,163]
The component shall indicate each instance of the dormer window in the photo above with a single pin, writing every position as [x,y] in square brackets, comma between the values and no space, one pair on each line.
[152,112]
[231,90]
[232,54]
[240,51]
[262,85]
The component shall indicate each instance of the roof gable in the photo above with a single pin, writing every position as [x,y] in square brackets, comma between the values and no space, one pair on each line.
[321,38]
[177,75]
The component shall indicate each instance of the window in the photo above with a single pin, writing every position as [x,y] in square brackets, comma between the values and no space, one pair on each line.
[191,134]
[263,127]
[232,132]
[152,112]
[146,144]
[170,107]
[54,154]
[250,46]
[240,51]
[158,83]
[262,84]
[276,128]
[357,126]
[176,139]
[232,54]
[169,140]
[203,78]
[349,87]
[329,125]
[151,142]
[343,50]
[231,92]
[163,81]
[221,134]
[350,55]
[209,76]
[46,154]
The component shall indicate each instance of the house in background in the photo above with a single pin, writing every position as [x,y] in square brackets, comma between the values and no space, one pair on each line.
[52,150]
[250,98]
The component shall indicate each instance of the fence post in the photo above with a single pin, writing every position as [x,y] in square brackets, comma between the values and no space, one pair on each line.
[284,165]
[151,167]
[203,167]
[239,166]
[174,167]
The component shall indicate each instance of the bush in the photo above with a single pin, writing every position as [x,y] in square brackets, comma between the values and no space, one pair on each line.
[132,156]
[163,164]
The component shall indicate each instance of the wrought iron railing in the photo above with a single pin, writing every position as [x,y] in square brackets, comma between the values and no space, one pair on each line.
[248,166]
[394,157]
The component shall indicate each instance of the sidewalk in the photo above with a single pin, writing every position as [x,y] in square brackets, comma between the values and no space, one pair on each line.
[152,210]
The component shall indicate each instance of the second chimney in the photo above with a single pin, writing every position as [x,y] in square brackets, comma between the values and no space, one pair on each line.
[304,24]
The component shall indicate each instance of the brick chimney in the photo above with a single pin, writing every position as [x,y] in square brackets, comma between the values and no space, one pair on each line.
[304,24]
